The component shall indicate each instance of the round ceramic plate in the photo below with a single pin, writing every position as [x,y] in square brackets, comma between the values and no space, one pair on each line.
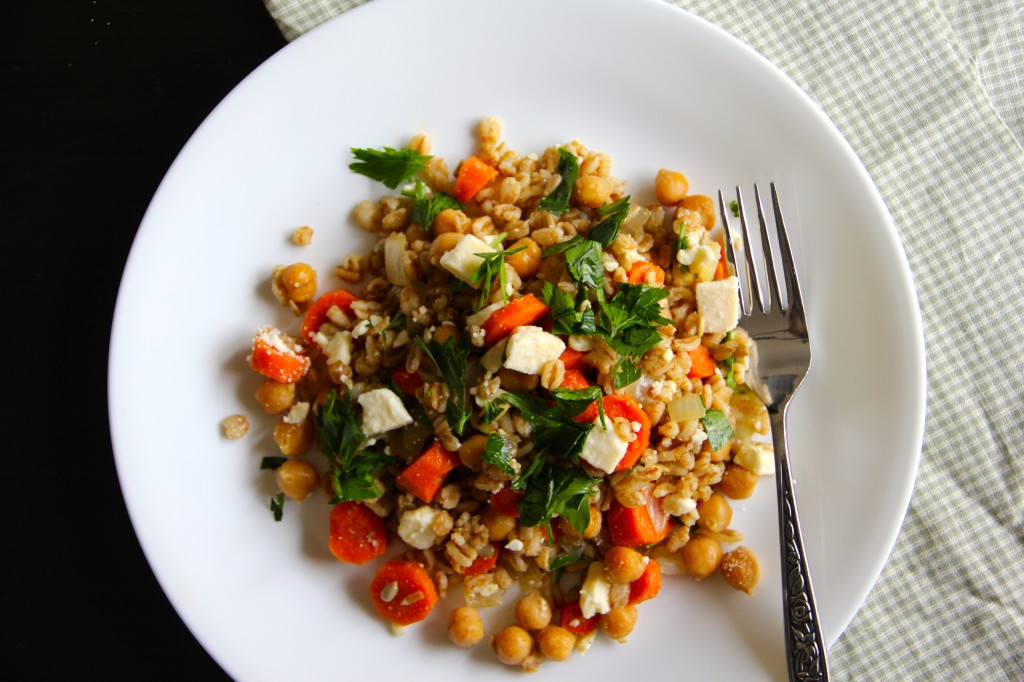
[650,85]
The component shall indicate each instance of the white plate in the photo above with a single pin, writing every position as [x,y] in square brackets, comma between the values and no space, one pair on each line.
[652,86]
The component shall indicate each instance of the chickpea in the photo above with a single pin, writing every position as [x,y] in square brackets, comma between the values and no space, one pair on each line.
[517,382]
[442,244]
[556,643]
[513,645]
[593,528]
[619,622]
[296,479]
[445,332]
[715,514]
[670,187]
[623,565]
[293,439]
[551,269]
[533,612]
[527,261]
[703,205]
[465,627]
[275,397]
[737,482]
[741,570]
[701,556]
[592,191]
[451,220]
[471,449]
[299,282]
[498,525]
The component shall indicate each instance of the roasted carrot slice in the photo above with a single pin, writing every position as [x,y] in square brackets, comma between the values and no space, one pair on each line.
[481,564]
[638,274]
[425,476]
[403,593]
[472,177]
[702,365]
[628,408]
[572,358]
[647,585]
[357,535]
[506,501]
[572,619]
[721,271]
[644,524]
[316,314]
[519,311]
[277,357]
[406,380]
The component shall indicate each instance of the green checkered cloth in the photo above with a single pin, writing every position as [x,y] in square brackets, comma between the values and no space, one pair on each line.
[930,94]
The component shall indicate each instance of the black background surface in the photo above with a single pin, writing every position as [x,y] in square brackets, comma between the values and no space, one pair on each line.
[98,97]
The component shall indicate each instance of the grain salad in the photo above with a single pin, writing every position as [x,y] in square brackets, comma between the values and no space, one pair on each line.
[529,381]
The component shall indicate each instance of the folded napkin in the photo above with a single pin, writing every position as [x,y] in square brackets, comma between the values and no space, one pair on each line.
[930,96]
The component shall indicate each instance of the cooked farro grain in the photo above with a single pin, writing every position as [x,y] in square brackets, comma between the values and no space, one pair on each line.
[627,415]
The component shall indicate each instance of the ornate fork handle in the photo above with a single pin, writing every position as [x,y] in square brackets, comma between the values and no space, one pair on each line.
[806,655]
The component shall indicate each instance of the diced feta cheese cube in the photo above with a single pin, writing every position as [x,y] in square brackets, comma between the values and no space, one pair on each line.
[757,457]
[462,261]
[383,411]
[595,593]
[530,348]
[604,449]
[416,527]
[719,305]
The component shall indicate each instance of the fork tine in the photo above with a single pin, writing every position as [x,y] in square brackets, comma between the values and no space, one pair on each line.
[772,294]
[730,254]
[788,268]
[752,274]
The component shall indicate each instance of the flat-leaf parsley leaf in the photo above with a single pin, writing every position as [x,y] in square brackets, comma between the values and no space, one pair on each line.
[557,201]
[718,428]
[388,165]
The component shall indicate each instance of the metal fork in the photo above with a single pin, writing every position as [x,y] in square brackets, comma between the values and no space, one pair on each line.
[780,359]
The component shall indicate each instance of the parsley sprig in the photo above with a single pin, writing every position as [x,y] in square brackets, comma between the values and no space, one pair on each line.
[451,359]
[569,315]
[718,428]
[583,261]
[499,451]
[493,266]
[426,205]
[353,468]
[388,165]
[612,215]
[557,201]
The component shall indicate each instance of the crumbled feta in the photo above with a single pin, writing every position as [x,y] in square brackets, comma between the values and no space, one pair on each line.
[416,527]
[585,641]
[514,545]
[718,303]
[705,260]
[277,340]
[297,413]
[383,411]
[530,348]
[604,448]
[462,261]
[595,593]
[757,457]
[339,349]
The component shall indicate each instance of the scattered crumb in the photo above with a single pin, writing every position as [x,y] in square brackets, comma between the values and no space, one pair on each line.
[235,426]
[302,236]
